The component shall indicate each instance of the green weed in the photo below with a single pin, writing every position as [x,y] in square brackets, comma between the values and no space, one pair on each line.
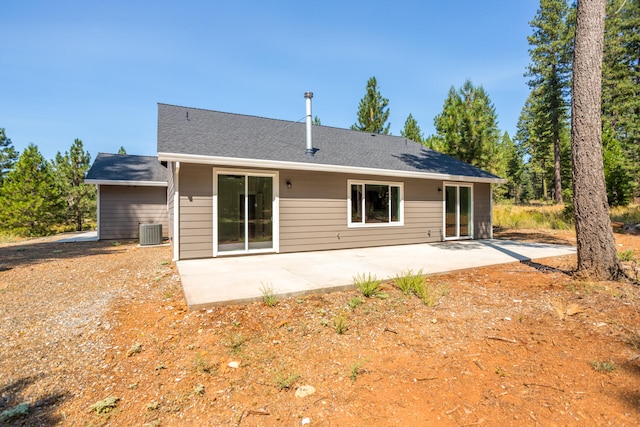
[355,302]
[430,293]
[627,256]
[408,282]
[340,323]
[235,342]
[105,406]
[269,296]
[17,411]
[355,369]
[135,349]
[603,366]
[202,365]
[285,381]
[198,390]
[368,284]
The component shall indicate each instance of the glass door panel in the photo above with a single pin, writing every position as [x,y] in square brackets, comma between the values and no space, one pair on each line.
[231,212]
[260,212]
[465,211]
[451,212]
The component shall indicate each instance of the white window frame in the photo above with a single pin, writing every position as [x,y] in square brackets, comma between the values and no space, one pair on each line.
[364,224]
[276,210]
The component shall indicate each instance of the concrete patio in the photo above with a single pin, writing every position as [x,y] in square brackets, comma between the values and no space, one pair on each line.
[237,280]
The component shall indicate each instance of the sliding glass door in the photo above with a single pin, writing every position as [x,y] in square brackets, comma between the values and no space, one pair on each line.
[458,211]
[244,213]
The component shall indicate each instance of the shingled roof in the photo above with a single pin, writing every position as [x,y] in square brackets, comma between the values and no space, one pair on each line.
[205,136]
[125,169]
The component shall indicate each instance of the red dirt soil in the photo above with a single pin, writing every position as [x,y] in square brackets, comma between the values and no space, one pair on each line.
[516,344]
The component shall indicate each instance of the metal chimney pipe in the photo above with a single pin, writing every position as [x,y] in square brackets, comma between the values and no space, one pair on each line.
[309,151]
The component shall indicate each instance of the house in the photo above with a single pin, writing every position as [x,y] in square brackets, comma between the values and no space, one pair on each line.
[241,184]
[132,190]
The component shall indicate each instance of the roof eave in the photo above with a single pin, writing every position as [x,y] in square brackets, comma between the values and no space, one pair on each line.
[314,167]
[126,182]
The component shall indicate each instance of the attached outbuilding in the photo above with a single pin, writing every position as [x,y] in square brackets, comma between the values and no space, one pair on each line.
[242,184]
[132,190]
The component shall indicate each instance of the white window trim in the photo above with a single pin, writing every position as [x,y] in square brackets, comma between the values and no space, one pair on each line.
[444,210]
[276,210]
[363,224]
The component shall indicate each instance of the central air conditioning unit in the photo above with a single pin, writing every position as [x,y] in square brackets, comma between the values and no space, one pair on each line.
[150,234]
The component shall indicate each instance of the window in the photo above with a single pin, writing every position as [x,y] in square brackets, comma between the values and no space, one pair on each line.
[375,203]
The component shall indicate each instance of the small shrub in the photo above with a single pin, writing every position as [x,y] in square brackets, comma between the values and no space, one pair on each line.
[105,406]
[269,296]
[340,323]
[135,349]
[17,411]
[153,406]
[355,302]
[408,282]
[164,262]
[367,284]
[116,244]
[284,381]
[603,366]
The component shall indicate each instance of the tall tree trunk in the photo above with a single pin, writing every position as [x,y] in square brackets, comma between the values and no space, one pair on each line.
[557,178]
[597,256]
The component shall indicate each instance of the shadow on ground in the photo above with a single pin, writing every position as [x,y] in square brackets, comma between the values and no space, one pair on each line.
[38,413]
[523,236]
[29,253]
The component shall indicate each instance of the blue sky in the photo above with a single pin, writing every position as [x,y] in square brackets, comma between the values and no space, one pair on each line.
[96,70]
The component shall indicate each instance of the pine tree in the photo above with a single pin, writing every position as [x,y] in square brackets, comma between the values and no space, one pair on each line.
[621,87]
[122,150]
[616,169]
[412,130]
[8,155]
[79,198]
[513,170]
[550,74]
[597,255]
[29,198]
[532,145]
[467,128]
[373,111]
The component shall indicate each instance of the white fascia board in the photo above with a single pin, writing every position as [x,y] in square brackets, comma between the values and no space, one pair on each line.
[128,183]
[278,164]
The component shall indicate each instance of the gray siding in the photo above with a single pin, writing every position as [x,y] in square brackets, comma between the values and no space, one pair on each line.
[313,213]
[482,211]
[124,208]
[196,214]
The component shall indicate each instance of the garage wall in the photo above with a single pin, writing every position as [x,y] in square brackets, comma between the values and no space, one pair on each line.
[124,208]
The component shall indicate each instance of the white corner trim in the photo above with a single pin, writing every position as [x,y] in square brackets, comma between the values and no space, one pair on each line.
[318,167]
[176,212]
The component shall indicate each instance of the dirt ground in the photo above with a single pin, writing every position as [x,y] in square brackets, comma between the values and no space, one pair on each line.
[98,334]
